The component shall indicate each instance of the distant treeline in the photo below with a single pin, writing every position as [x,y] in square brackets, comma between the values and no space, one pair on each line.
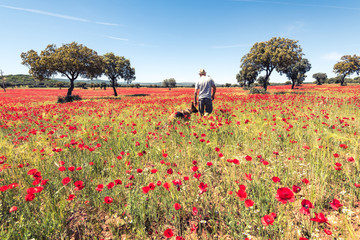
[23,80]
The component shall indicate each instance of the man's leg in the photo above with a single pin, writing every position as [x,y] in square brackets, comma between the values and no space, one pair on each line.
[209,106]
[201,106]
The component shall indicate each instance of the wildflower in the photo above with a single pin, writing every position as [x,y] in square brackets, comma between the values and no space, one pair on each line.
[335,204]
[29,197]
[284,195]
[108,200]
[248,158]
[66,180]
[327,231]
[296,189]
[168,233]
[194,211]
[13,209]
[146,189]
[267,220]
[320,218]
[350,159]
[71,197]
[249,203]
[177,206]
[275,179]
[242,193]
[306,205]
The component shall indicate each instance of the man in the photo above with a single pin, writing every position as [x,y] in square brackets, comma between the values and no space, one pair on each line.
[203,87]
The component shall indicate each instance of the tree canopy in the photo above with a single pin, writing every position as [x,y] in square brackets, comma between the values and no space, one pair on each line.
[116,67]
[171,83]
[347,66]
[320,78]
[296,72]
[70,60]
[276,54]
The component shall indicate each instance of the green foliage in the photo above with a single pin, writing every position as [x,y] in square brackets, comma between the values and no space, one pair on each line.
[296,72]
[70,60]
[65,99]
[320,78]
[116,67]
[276,54]
[347,66]
[255,90]
[171,83]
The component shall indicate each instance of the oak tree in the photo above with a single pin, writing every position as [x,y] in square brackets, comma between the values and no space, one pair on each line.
[320,78]
[296,73]
[70,60]
[276,54]
[116,67]
[347,66]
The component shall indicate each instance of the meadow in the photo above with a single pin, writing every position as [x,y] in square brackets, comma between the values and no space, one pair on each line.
[284,165]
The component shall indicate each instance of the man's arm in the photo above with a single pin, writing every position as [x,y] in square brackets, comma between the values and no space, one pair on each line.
[214,91]
[195,96]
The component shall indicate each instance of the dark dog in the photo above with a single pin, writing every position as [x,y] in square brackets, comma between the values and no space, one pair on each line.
[183,114]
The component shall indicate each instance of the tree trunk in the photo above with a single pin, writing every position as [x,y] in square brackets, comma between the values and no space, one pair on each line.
[265,82]
[342,80]
[113,83]
[293,84]
[71,88]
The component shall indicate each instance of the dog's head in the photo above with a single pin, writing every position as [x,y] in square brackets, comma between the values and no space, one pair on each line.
[193,108]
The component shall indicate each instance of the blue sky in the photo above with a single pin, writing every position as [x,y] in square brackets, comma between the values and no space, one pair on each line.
[175,38]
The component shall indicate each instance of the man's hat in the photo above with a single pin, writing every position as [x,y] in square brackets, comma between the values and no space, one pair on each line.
[202,71]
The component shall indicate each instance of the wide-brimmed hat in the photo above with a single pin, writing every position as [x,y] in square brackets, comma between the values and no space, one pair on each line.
[202,71]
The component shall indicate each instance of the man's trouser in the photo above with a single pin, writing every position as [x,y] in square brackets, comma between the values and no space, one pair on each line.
[205,104]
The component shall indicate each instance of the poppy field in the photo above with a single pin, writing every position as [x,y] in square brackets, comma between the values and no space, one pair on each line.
[283,165]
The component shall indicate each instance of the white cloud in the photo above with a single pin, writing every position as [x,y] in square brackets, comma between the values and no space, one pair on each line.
[117,38]
[57,15]
[333,56]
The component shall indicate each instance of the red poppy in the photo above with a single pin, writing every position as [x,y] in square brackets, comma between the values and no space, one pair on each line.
[285,195]
[194,211]
[304,180]
[327,231]
[108,200]
[62,168]
[209,164]
[29,197]
[248,176]
[275,179]
[66,180]
[203,187]
[267,220]
[306,205]
[71,197]
[248,158]
[170,171]
[166,186]
[242,193]
[296,189]
[153,170]
[110,185]
[118,181]
[350,159]
[146,189]
[168,233]
[335,204]
[177,206]
[13,209]
[249,203]
[320,218]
